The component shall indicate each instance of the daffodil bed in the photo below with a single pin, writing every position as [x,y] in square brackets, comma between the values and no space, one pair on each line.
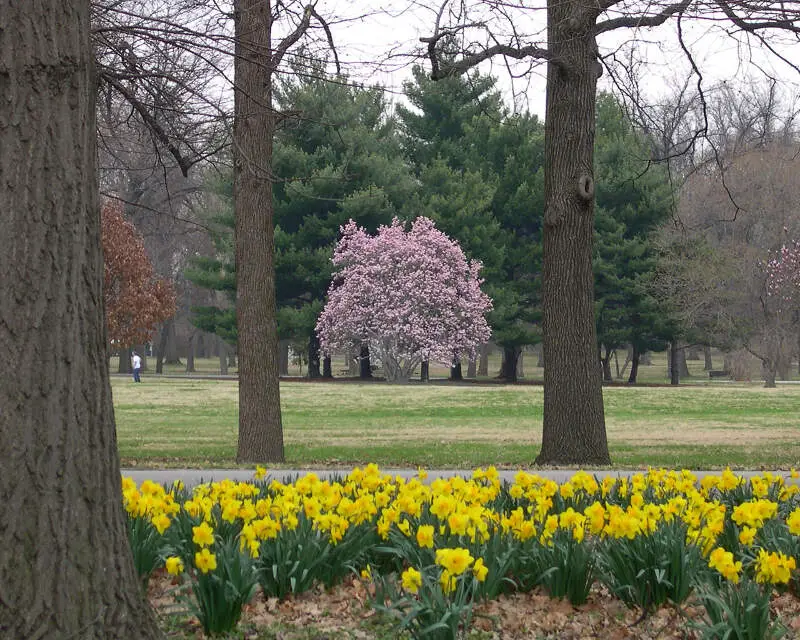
[656,554]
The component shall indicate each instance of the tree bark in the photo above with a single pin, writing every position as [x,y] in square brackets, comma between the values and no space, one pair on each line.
[635,356]
[313,356]
[574,429]
[190,353]
[171,349]
[124,365]
[284,358]
[483,364]
[674,369]
[708,365]
[222,347]
[365,366]
[327,368]
[606,362]
[65,563]
[456,374]
[508,368]
[163,337]
[521,364]
[425,371]
[472,366]
[260,427]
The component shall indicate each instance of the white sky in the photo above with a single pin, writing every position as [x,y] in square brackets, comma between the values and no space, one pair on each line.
[390,37]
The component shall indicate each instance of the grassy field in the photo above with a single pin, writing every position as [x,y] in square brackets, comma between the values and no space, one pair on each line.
[656,372]
[185,422]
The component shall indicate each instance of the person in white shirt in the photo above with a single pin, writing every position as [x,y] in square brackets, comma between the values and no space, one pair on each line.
[136,363]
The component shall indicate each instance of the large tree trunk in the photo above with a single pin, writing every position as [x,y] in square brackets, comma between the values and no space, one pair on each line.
[574,429]
[171,349]
[456,374]
[634,365]
[163,338]
[260,428]
[425,371]
[508,367]
[483,364]
[472,366]
[313,356]
[65,563]
[124,365]
[190,353]
[365,365]
[606,362]
[708,365]
[674,369]
[223,356]
[327,367]
[283,368]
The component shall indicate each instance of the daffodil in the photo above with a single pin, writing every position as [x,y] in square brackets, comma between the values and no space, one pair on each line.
[174,565]
[411,580]
[203,535]
[205,561]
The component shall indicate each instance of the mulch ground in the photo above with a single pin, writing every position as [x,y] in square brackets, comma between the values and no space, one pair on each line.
[344,612]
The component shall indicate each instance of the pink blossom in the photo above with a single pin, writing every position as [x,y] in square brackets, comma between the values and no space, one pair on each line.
[412,296]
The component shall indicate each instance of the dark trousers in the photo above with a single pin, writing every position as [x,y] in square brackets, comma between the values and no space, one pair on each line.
[136,377]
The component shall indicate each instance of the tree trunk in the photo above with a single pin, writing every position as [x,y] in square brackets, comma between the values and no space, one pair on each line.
[574,429]
[163,337]
[635,356]
[284,358]
[125,356]
[483,364]
[606,362]
[674,368]
[769,369]
[708,365]
[65,562]
[141,349]
[171,349]
[539,355]
[508,368]
[520,364]
[190,353]
[683,366]
[313,356]
[456,374]
[260,427]
[472,366]
[222,347]
[425,371]
[327,369]
[364,363]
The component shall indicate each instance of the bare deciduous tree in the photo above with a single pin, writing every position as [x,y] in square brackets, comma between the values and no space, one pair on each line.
[66,569]
[466,34]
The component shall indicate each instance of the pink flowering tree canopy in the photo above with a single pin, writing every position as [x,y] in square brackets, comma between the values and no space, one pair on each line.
[783,277]
[410,295]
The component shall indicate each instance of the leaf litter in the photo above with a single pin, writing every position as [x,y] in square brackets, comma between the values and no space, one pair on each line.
[344,612]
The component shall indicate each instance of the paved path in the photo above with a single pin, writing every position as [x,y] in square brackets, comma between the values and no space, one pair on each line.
[191,477]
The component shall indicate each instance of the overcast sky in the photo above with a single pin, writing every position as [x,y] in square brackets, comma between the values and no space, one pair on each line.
[380,47]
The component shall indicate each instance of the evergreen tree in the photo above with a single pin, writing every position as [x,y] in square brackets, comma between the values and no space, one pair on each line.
[479,170]
[633,200]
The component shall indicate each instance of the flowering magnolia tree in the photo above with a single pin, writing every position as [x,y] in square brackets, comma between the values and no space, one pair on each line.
[783,276]
[136,300]
[779,318]
[411,295]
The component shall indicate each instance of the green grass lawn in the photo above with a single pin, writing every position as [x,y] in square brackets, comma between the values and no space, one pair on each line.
[184,422]
[655,372]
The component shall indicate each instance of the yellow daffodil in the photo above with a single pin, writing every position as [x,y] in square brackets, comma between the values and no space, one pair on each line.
[205,561]
[174,565]
[203,535]
[411,580]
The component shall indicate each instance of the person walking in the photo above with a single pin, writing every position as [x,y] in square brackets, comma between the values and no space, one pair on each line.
[136,363]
